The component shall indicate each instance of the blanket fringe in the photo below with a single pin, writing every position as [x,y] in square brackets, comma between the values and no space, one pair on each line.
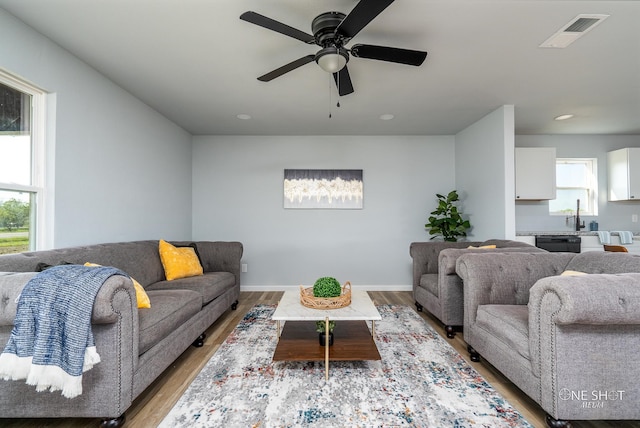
[44,378]
[53,378]
[13,367]
[91,358]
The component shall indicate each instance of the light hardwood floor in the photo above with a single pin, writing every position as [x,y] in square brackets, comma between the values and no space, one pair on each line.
[152,405]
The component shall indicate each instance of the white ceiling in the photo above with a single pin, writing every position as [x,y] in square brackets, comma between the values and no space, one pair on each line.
[196,62]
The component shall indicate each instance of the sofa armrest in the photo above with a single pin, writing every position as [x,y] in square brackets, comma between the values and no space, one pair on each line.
[586,299]
[583,335]
[11,285]
[504,278]
[115,297]
[425,256]
[219,256]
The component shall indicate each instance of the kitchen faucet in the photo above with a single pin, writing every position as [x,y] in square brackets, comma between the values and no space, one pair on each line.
[578,225]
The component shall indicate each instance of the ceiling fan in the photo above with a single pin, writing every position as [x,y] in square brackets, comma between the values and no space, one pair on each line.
[332,31]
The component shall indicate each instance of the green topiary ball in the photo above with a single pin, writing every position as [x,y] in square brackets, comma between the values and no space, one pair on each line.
[327,287]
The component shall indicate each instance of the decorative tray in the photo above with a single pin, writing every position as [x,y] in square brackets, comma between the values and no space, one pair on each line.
[307,299]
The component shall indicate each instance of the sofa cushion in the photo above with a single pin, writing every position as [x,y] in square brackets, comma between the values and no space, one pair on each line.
[429,281]
[169,309]
[190,245]
[209,286]
[508,323]
[179,262]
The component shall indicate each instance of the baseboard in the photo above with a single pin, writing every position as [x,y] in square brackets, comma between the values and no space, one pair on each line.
[272,287]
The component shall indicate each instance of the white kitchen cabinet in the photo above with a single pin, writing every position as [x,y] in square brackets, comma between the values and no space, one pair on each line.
[623,174]
[527,239]
[535,169]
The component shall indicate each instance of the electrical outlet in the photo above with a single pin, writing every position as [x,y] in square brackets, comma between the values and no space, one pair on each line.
[634,218]
[245,268]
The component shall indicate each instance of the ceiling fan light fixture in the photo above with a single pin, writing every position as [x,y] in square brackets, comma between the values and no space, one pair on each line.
[563,117]
[332,59]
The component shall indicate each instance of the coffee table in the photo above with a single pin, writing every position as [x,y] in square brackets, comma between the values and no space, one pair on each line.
[298,339]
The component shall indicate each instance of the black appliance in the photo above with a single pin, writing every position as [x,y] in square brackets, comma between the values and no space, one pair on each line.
[559,243]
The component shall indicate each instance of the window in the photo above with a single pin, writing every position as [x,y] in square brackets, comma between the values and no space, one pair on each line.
[21,165]
[576,178]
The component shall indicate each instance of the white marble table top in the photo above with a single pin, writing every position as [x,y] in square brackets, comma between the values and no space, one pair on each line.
[361,308]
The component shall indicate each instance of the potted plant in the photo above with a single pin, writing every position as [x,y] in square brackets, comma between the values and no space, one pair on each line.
[446,220]
[326,287]
[320,328]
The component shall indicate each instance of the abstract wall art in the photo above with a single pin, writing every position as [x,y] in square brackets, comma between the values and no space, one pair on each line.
[323,189]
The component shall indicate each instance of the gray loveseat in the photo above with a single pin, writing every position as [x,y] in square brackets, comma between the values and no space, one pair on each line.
[135,345]
[437,287]
[572,343]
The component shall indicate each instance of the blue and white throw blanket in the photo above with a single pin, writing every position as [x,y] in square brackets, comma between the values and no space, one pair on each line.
[51,343]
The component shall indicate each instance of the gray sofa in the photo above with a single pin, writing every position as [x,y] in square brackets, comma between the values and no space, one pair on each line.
[437,287]
[135,345]
[571,343]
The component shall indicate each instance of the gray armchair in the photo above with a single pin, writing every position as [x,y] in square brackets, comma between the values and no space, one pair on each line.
[571,343]
[437,287]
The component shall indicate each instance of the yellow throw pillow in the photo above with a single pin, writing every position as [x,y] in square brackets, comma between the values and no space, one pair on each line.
[572,273]
[179,262]
[482,247]
[141,295]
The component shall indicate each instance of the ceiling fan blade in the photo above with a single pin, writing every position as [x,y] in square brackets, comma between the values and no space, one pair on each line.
[343,81]
[271,24]
[286,68]
[364,12]
[386,53]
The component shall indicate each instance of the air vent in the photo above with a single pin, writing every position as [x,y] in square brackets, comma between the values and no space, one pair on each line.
[573,30]
[581,25]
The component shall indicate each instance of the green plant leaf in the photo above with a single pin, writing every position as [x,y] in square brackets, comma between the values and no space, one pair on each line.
[320,326]
[446,220]
[327,287]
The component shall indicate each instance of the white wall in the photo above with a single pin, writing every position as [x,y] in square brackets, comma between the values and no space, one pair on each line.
[485,175]
[238,195]
[534,215]
[122,171]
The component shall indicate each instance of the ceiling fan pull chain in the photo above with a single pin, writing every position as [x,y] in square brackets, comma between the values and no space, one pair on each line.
[338,85]
[329,95]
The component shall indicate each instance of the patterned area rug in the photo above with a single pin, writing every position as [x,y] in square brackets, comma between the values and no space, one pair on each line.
[420,382]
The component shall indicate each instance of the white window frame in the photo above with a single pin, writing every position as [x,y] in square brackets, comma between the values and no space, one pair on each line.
[39,230]
[592,204]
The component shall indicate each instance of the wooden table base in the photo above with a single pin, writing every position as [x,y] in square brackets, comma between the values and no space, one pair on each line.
[352,341]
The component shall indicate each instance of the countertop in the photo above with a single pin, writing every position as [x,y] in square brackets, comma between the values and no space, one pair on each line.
[567,232]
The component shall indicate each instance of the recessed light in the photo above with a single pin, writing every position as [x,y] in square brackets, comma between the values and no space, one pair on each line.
[386,117]
[563,117]
[243,116]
